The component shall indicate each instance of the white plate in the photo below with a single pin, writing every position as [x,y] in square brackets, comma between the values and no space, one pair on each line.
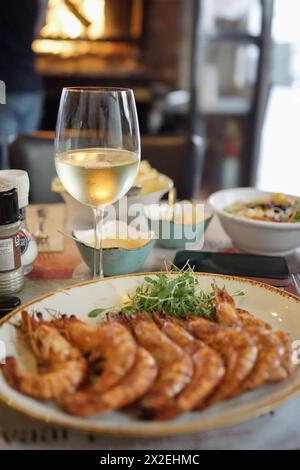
[280,309]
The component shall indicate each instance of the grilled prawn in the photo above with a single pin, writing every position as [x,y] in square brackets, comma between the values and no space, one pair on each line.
[174,365]
[110,347]
[282,339]
[208,368]
[269,364]
[133,386]
[61,367]
[236,348]
[225,308]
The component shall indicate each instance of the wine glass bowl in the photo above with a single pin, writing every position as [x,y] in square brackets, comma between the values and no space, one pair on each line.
[97,176]
[97,149]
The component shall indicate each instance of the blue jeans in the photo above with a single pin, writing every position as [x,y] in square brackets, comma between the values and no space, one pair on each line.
[20,115]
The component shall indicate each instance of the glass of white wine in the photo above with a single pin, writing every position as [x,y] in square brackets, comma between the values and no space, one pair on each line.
[97,150]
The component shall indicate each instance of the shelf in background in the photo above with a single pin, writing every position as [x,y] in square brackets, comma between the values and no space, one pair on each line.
[225,106]
[229,105]
[233,37]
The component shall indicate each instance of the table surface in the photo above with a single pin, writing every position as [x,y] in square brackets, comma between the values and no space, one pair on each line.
[277,430]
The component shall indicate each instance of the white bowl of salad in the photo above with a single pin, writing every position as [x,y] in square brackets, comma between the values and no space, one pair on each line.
[259,222]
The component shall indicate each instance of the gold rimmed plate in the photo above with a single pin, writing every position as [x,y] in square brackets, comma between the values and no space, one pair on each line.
[280,309]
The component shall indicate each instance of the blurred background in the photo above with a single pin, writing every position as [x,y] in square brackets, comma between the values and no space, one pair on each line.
[217,82]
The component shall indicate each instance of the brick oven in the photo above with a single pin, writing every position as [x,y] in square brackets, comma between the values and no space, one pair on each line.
[135,43]
[81,27]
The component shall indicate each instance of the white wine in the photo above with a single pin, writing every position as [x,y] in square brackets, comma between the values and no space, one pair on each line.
[97,176]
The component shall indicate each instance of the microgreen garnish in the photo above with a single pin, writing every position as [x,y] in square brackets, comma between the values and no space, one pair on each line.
[178,296]
[97,311]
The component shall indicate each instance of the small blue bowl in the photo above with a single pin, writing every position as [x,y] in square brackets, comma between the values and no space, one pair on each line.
[179,238]
[176,235]
[117,260]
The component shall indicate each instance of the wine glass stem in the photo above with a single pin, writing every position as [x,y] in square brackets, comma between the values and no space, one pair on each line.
[98,255]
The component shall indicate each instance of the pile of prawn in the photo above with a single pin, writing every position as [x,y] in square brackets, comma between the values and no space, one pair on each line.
[161,365]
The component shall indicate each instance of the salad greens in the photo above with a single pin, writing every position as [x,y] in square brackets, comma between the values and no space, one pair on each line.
[178,296]
[97,311]
[296,211]
[275,208]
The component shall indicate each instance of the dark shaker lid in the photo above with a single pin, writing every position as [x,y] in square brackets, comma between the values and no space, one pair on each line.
[9,208]
[7,304]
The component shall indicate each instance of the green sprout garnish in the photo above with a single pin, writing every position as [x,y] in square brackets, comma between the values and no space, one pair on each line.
[177,296]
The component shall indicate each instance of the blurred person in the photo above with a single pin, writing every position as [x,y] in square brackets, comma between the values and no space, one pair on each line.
[20,24]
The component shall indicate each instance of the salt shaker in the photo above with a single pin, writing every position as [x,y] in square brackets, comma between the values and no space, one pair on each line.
[28,245]
[11,271]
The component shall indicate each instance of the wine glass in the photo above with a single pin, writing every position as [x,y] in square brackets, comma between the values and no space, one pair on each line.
[97,150]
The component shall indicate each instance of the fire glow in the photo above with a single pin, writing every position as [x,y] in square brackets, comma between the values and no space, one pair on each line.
[77,27]
[74,19]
